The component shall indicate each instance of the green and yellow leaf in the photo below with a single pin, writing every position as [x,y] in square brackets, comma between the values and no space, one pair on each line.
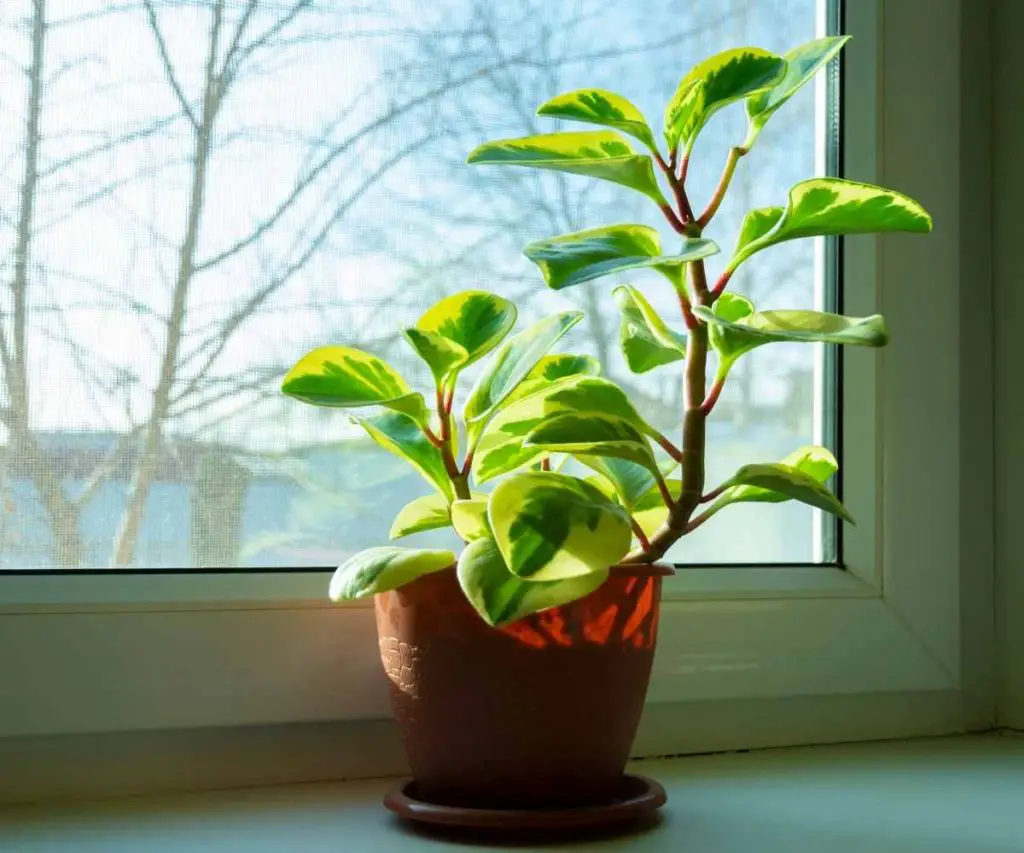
[731,338]
[469,518]
[593,435]
[443,356]
[460,329]
[629,481]
[816,462]
[786,482]
[822,207]
[511,363]
[502,448]
[343,377]
[500,597]
[430,512]
[597,154]
[599,106]
[802,63]
[549,526]
[573,259]
[401,435]
[382,569]
[714,83]
[560,365]
[756,224]
[645,339]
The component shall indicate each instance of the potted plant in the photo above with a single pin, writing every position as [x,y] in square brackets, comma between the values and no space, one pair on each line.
[519,667]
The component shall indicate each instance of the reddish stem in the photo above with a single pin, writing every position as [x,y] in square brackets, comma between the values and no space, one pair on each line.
[431,437]
[638,532]
[714,493]
[545,464]
[712,397]
[685,211]
[684,168]
[688,316]
[673,220]
[723,186]
[723,280]
[669,447]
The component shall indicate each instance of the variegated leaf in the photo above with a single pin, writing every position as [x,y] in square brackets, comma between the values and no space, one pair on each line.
[802,63]
[344,377]
[714,83]
[401,435]
[551,526]
[573,259]
[460,329]
[510,364]
[830,206]
[593,435]
[381,569]
[501,597]
[430,512]
[596,154]
[599,106]
[644,337]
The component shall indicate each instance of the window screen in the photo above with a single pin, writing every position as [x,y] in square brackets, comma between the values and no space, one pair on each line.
[196,192]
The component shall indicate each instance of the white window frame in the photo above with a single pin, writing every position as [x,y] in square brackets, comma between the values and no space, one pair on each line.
[894,644]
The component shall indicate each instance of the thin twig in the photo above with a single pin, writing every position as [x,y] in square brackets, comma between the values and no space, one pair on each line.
[165,58]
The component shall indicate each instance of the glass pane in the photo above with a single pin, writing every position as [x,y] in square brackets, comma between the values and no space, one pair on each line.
[195,192]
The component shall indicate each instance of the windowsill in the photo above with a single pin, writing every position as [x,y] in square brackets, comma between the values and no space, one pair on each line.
[954,794]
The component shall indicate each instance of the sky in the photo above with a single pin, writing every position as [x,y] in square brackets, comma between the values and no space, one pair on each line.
[104,271]
[371,109]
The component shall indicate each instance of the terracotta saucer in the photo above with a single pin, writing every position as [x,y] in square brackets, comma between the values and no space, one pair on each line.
[637,797]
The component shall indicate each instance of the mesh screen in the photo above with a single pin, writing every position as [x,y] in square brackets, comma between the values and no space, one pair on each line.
[195,193]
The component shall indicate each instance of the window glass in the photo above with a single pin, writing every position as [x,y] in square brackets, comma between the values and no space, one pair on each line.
[195,192]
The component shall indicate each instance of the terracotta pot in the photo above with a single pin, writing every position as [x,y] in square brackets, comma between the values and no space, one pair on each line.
[539,714]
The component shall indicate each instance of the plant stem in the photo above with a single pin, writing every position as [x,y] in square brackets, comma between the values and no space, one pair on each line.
[678,189]
[684,305]
[694,431]
[673,220]
[432,436]
[700,519]
[713,395]
[666,494]
[723,280]
[723,185]
[638,532]
[667,445]
[458,476]
[714,493]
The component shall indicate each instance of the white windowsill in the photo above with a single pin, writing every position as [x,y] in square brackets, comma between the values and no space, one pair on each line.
[926,796]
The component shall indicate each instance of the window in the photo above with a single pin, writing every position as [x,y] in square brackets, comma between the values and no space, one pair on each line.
[888,644]
[195,199]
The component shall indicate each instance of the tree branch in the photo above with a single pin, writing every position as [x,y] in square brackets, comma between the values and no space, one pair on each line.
[165,58]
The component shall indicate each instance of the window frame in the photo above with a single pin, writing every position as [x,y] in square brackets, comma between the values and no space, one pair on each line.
[891,644]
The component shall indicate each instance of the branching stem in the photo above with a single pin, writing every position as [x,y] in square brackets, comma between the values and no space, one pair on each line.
[638,532]
[713,395]
[723,185]
[666,444]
